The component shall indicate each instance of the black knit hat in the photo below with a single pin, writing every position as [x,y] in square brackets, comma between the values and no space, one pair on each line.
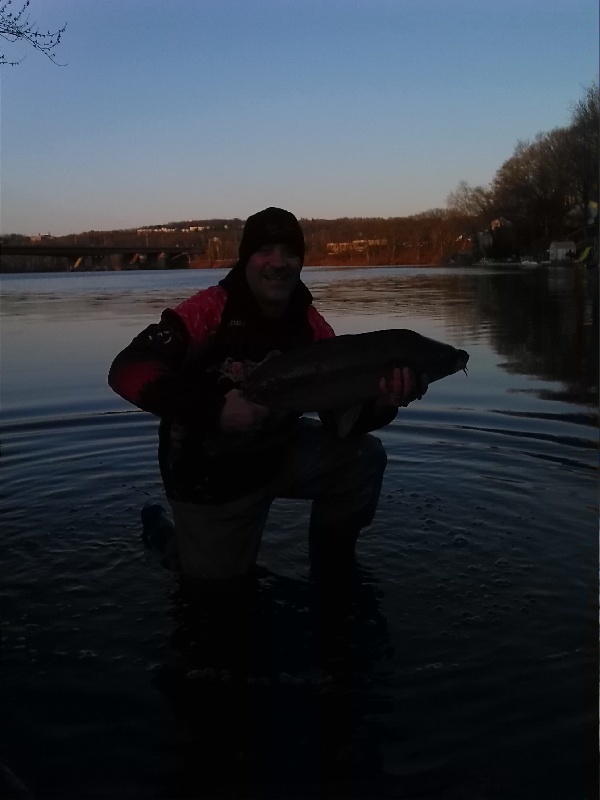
[271,226]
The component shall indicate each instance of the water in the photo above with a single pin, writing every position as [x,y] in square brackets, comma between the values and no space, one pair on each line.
[460,663]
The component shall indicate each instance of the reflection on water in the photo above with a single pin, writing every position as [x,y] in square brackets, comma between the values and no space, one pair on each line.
[543,322]
[293,663]
[457,659]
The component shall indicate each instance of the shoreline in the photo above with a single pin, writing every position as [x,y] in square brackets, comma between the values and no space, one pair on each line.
[320,267]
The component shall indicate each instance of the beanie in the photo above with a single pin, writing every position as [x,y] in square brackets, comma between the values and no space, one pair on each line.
[271,226]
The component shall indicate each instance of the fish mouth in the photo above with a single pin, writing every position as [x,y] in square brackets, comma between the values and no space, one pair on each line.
[462,360]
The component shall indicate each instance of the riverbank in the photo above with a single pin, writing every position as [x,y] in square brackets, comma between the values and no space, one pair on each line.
[51,264]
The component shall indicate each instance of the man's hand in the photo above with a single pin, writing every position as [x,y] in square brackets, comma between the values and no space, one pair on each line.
[239,415]
[401,388]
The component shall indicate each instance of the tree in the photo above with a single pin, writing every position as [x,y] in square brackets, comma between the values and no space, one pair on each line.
[545,188]
[18,26]
[472,201]
[584,151]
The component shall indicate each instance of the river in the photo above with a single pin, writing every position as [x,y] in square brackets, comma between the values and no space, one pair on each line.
[463,662]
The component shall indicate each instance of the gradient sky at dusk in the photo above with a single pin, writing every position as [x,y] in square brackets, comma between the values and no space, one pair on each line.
[173,110]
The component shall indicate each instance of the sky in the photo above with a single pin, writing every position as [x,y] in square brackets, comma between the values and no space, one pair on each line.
[174,110]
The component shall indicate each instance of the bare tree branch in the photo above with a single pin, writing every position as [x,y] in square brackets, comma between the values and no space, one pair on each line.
[17,26]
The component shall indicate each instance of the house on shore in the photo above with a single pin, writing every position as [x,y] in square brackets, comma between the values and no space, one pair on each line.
[561,251]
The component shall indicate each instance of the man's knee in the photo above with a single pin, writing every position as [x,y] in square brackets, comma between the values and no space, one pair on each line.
[354,493]
[372,452]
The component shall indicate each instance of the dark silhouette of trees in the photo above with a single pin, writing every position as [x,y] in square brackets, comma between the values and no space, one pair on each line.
[584,150]
[532,188]
[471,201]
[544,190]
[17,26]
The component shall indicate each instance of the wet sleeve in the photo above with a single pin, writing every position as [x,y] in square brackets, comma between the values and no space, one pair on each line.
[153,373]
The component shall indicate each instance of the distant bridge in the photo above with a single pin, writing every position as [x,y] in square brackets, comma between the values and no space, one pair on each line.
[119,255]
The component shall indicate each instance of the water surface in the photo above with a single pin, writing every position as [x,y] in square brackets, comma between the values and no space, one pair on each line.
[459,663]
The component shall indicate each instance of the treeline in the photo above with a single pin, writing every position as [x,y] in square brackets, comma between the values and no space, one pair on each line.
[427,238]
[545,191]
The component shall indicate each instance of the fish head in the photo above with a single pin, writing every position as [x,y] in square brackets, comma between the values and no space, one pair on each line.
[440,360]
[462,360]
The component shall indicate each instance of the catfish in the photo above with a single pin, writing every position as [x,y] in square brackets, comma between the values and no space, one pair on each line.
[343,372]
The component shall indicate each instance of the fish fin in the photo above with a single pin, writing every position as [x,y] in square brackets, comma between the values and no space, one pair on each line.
[345,420]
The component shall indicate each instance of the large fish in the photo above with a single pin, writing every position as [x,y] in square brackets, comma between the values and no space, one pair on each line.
[343,372]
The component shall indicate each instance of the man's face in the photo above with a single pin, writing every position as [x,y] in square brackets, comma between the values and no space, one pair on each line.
[273,273]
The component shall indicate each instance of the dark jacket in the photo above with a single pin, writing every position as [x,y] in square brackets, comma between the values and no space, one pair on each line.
[181,369]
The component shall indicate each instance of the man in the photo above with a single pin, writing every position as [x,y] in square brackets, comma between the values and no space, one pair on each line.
[224,459]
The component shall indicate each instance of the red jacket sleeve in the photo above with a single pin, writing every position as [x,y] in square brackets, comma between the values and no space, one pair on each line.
[151,371]
[320,327]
